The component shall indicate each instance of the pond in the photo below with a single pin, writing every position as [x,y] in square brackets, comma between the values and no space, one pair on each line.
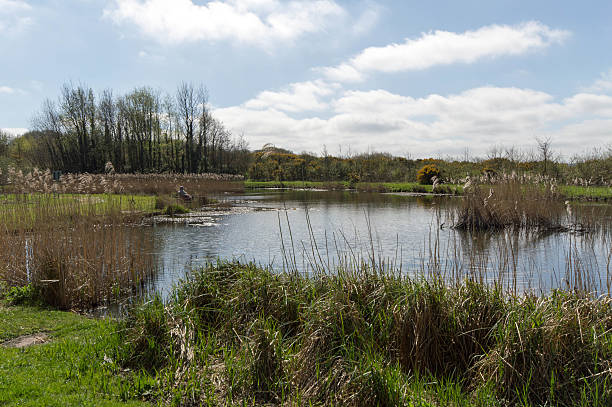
[308,231]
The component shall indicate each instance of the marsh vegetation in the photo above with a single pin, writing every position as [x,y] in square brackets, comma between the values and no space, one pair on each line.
[340,322]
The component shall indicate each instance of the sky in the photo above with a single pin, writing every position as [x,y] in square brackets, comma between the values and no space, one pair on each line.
[413,78]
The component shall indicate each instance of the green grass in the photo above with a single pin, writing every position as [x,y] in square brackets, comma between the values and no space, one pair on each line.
[589,193]
[237,334]
[295,184]
[360,186]
[566,191]
[175,209]
[99,202]
[70,369]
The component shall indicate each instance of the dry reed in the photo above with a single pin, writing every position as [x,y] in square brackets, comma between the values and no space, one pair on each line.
[76,253]
[511,204]
[38,181]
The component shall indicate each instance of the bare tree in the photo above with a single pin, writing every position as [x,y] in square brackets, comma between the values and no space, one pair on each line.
[186,106]
[545,151]
[204,120]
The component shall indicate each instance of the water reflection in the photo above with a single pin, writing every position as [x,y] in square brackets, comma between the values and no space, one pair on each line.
[310,229]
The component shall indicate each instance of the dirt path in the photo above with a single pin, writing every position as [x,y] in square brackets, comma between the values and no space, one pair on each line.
[27,340]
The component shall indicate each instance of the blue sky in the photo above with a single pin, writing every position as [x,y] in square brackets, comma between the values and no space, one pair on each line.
[409,77]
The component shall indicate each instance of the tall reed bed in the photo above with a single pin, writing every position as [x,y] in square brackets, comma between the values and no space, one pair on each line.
[42,181]
[76,253]
[236,334]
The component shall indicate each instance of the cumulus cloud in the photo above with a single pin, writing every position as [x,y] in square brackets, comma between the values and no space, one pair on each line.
[259,22]
[476,118]
[14,16]
[297,97]
[603,84]
[6,89]
[445,48]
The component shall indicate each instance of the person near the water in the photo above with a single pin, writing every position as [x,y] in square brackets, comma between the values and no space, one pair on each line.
[184,195]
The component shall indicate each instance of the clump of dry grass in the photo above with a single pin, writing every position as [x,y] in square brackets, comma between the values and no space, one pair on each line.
[511,204]
[550,350]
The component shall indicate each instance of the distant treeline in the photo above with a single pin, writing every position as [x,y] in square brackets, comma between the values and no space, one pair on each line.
[141,131]
[271,163]
[145,131]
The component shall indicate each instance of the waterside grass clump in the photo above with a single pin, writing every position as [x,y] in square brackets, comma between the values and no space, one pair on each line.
[236,334]
[511,204]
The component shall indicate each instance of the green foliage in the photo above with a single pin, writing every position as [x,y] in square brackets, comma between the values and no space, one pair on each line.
[175,209]
[353,179]
[426,173]
[25,295]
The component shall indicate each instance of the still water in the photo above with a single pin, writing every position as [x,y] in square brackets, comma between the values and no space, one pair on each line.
[306,231]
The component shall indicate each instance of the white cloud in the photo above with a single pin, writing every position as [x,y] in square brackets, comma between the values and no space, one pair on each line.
[14,16]
[12,6]
[592,104]
[476,118]
[603,84]
[297,97]
[367,19]
[7,90]
[14,131]
[259,22]
[444,48]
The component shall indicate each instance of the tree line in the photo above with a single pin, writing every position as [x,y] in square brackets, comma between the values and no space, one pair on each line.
[142,131]
[272,163]
[147,131]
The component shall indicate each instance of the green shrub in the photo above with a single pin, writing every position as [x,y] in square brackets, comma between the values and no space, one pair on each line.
[26,295]
[426,173]
[175,209]
[353,179]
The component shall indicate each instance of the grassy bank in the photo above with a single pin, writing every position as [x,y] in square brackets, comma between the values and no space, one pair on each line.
[592,193]
[74,366]
[236,334]
[241,335]
[413,187]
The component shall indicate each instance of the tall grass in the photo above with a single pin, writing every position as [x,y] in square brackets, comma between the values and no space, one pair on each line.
[240,334]
[75,252]
[39,181]
[514,205]
[77,249]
